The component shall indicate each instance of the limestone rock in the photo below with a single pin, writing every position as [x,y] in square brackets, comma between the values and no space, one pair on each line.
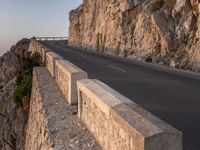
[139,29]
[12,120]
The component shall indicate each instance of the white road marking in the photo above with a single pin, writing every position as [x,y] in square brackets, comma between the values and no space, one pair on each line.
[81,55]
[117,68]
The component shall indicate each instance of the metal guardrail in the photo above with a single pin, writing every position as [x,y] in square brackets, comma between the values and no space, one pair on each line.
[50,38]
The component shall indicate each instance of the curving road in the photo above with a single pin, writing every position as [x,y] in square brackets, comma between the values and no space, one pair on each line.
[172,95]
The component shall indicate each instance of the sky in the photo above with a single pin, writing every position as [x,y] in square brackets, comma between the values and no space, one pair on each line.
[27,18]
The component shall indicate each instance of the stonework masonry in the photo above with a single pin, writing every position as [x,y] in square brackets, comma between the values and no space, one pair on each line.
[66,75]
[43,54]
[119,123]
[51,58]
[51,125]
[35,46]
[115,121]
[37,123]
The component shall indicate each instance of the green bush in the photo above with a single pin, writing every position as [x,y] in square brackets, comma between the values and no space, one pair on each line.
[23,89]
[29,61]
[24,77]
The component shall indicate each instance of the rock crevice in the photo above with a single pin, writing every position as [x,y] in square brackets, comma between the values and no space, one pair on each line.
[13,119]
[167,31]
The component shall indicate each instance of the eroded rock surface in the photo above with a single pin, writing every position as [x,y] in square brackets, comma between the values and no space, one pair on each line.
[162,31]
[12,119]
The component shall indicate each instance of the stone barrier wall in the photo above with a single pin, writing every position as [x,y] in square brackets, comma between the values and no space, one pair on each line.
[51,58]
[32,46]
[38,135]
[119,123]
[116,122]
[67,74]
[43,54]
[38,48]
[51,124]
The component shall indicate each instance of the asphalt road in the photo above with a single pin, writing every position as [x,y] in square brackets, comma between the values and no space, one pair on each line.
[172,95]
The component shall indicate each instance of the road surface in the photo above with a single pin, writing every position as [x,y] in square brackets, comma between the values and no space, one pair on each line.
[172,95]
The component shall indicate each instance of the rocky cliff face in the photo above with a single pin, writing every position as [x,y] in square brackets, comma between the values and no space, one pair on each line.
[12,119]
[161,31]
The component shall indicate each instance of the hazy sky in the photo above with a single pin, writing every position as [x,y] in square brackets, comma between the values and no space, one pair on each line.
[27,18]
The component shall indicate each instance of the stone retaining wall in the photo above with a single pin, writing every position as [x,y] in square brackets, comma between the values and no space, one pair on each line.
[51,123]
[119,123]
[43,54]
[51,58]
[39,48]
[37,134]
[116,122]
[32,46]
[67,74]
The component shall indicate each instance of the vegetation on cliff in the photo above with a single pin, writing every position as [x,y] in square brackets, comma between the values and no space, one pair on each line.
[15,77]
[24,77]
